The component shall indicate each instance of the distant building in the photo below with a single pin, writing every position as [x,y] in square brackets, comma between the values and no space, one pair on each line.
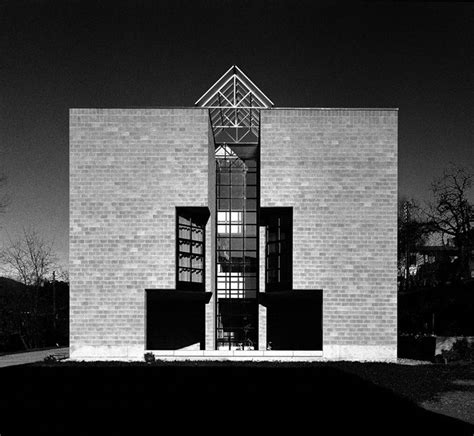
[233,229]
[432,265]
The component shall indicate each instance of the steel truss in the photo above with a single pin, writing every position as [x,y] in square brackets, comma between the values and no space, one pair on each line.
[234,102]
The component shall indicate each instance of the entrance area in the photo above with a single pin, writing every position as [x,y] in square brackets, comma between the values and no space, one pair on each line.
[237,242]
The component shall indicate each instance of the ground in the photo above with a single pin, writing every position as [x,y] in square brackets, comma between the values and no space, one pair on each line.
[344,397]
[445,389]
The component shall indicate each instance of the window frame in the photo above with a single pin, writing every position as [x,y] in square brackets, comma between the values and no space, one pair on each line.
[284,221]
[195,222]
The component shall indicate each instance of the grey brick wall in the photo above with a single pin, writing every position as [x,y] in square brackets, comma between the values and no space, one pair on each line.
[338,170]
[129,169]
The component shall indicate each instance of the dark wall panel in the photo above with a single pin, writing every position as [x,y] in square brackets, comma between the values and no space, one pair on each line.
[294,325]
[172,325]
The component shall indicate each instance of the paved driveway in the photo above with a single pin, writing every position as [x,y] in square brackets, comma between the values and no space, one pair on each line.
[31,356]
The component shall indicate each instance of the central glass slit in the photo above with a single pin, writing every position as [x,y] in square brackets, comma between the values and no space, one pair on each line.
[237,246]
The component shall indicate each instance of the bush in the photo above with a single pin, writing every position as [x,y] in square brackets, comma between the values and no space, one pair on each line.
[462,350]
[51,358]
[149,358]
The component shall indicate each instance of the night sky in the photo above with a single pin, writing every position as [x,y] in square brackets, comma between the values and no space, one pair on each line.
[68,54]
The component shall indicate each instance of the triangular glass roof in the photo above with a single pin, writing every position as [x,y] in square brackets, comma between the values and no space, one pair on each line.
[234,90]
[234,102]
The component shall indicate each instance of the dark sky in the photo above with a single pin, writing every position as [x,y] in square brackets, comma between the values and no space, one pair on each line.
[66,54]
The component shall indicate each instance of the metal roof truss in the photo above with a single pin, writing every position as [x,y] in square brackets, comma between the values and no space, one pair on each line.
[234,104]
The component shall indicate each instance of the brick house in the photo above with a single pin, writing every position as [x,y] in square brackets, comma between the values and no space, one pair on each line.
[233,229]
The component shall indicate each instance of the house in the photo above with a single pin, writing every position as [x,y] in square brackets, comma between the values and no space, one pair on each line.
[436,263]
[233,229]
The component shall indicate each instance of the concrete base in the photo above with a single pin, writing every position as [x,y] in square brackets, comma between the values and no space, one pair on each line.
[331,353]
[107,353]
[95,354]
[379,353]
[240,355]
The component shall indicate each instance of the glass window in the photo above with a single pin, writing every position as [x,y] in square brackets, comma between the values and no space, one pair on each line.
[184,274]
[223,243]
[190,250]
[250,217]
[250,243]
[237,203]
[236,217]
[224,192]
[222,228]
[251,192]
[237,179]
[278,222]
[251,204]
[223,217]
[224,204]
[237,235]
[251,179]
[237,244]
[250,230]
[224,178]
[237,191]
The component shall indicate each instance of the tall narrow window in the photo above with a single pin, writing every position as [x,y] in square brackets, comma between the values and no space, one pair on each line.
[236,243]
[234,104]
[190,250]
[278,265]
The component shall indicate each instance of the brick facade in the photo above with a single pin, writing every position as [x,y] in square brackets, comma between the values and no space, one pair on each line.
[337,168]
[129,169]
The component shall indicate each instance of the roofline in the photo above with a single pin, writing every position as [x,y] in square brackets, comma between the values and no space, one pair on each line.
[338,108]
[263,109]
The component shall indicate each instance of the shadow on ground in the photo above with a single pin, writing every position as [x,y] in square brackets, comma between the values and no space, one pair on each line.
[106,399]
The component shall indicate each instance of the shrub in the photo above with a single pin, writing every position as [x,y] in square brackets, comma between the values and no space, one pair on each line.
[51,358]
[461,350]
[149,357]
[464,349]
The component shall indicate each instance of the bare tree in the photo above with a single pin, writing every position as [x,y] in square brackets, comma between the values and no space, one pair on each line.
[30,260]
[452,213]
[63,274]
[413,231]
